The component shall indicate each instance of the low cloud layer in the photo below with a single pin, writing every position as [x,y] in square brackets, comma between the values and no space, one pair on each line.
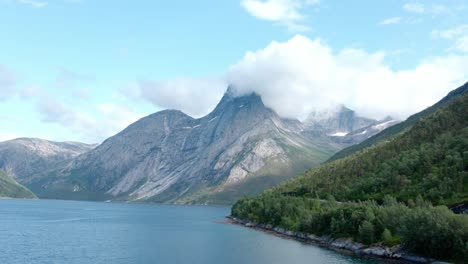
[303,75]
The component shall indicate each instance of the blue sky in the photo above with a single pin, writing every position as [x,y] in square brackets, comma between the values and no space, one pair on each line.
[85,69]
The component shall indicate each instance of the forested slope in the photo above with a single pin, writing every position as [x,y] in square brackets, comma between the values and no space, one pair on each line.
[400,180]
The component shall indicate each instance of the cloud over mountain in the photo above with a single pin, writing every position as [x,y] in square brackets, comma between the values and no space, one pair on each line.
[302,74]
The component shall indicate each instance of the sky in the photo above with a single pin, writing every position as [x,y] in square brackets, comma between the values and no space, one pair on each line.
[83,70]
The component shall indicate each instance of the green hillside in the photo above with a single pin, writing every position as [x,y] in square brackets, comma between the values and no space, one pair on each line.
[401,178]
[11,189]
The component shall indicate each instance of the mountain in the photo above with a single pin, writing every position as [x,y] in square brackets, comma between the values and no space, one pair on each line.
[11,189]
[343,126]
[421,163]
[239,149]
[338,120]
[403,126]
[426,160]
[25,158]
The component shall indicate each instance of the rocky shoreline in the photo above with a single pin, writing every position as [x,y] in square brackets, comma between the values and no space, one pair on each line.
[397,253]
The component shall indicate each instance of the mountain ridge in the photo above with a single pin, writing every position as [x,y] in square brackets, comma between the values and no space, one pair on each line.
[401,127]
[395,192]
[23,158]
[170,156]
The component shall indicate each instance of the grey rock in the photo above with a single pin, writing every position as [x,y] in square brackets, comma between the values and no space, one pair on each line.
[414,258]
[343,126]
[377,251]
[25,158]
[172,157]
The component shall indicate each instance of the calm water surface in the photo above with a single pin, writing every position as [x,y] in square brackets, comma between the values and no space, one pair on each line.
[47,231]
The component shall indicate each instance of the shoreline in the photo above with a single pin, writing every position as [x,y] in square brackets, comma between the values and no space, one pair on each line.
[342,245]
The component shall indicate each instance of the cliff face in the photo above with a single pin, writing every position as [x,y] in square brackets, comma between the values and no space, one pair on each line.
[172,157]
[25,158]
[239,149]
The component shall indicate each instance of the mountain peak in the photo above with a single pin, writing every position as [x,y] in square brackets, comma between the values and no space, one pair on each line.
[230,92]
[233,96]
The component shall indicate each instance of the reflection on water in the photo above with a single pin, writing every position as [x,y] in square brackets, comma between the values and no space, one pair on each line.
[47,231]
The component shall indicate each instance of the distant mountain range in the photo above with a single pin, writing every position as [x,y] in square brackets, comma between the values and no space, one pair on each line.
[241,148]
[343,126]
[25,158]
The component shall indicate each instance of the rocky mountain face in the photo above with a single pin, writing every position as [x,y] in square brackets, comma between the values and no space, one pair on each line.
[241,148]
[343,126]
[25,158]
[172,157]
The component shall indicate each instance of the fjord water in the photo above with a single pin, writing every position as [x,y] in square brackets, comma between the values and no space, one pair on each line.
[48,231]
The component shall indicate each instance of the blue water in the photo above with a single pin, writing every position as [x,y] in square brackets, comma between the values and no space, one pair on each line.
[47,231]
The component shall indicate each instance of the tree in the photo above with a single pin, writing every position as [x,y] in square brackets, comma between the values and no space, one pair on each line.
[387,237]
[366,232]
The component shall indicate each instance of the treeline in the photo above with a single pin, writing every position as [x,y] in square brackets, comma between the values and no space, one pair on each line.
[430,160]
[395,192]
[420,227]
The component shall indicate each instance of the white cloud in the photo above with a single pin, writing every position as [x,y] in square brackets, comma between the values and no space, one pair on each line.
[284,12]
[33,3]
[195,97]
[8,81]
[95,124]
[301,75]
[434,9]
[458,35]
[114,118]
[389,21]
[414,7]
[51,110]
[452,32]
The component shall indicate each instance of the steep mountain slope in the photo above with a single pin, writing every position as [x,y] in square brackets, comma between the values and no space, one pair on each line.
[422,165]
[403,126]
[426,160]
[25,158]
[172,157]
[343,126]
[11,189]
[336,120]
